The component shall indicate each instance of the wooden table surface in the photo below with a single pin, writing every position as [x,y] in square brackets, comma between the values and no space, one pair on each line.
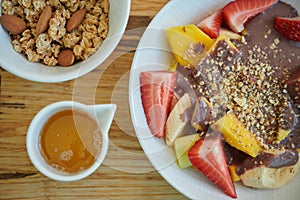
[126,172]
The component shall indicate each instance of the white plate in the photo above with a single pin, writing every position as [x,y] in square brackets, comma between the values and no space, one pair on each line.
[153,53]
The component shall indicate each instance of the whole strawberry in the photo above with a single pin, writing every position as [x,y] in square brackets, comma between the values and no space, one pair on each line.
[288,27]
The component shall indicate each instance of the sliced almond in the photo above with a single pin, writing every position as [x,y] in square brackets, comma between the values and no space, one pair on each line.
[13,23]
[66,58]
[43,21]
[75,19]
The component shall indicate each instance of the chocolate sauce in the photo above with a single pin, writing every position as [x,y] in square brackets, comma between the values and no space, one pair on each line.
[184,86]
[293,85]
[202,114]
[283,56]
[260,32]
[285,159]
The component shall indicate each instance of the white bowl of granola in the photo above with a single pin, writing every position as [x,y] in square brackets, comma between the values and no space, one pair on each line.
[35,56]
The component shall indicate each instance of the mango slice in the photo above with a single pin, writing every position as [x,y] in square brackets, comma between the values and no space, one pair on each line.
[237,135]
[188,44]
[230,35]
[221,38]
[282,134]
[182,146]
[173,67]
[234,176]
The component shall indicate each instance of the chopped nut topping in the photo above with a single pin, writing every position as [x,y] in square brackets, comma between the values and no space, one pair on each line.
[248,87]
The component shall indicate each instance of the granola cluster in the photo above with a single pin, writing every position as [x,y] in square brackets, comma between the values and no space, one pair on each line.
[45,47]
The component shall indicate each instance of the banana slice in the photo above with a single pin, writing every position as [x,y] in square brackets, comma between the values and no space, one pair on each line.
[263,177]
[177,119]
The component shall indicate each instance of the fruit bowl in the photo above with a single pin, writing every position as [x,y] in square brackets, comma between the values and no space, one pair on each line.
[18,65]
[156,54]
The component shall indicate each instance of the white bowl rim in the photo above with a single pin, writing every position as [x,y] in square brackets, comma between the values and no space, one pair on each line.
[61,74]
[32,139]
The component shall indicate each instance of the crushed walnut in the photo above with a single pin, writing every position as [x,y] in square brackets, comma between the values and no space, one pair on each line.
[249,87]
[45,47]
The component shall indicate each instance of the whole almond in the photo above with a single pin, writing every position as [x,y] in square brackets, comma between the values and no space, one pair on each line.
[66,58]
[75,19]
[13,23]
[43,21]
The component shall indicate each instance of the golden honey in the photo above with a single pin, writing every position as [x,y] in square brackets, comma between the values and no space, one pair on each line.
[70,141]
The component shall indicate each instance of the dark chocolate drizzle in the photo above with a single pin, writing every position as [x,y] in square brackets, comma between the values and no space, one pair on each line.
[285,159]
[288,55]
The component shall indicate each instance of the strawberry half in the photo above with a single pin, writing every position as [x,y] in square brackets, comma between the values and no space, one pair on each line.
[288,27]
[236,13]
[157,88]
[212,24]
[208,156]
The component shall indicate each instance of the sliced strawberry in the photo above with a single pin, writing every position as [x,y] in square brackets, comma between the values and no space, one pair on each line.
[288,27]
[157,88]
[208,156]
[236,13]
[212,24]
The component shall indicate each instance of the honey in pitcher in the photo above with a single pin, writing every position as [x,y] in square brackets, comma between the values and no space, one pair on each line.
[70,141]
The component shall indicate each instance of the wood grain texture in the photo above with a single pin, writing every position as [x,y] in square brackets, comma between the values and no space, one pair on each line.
[146,7]
[126,172]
